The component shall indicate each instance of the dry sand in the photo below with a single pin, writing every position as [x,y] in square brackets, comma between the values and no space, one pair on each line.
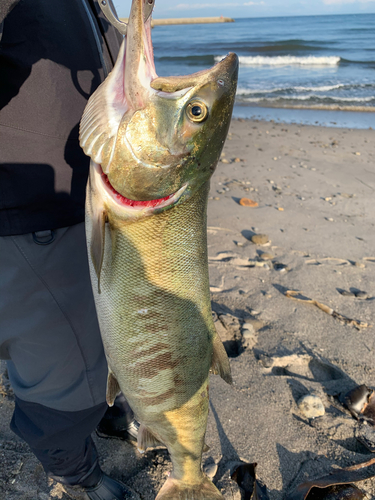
[315,189]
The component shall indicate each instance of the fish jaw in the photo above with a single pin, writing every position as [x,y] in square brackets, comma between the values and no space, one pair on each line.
[122,208]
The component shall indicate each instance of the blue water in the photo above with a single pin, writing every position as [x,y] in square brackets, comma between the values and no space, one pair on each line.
[310,62]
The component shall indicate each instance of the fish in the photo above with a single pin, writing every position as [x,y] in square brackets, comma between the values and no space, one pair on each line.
[154,143]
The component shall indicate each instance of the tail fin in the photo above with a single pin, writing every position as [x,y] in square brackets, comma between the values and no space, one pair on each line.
[174,489]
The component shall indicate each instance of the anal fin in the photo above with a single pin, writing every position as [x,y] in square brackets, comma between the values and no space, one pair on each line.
[113,389]
[220,362]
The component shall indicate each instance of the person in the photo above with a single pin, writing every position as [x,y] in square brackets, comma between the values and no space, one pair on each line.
[53,55]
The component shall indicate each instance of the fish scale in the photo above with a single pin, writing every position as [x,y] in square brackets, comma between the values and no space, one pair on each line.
[155,293]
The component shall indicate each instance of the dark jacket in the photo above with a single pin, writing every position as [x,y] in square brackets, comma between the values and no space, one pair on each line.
[53,55]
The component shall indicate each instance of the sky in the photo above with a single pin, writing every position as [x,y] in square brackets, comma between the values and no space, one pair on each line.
[251,8]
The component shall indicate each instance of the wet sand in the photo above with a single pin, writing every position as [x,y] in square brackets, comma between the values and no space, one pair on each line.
[314,188]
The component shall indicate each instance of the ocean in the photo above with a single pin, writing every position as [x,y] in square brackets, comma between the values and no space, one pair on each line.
[291,68]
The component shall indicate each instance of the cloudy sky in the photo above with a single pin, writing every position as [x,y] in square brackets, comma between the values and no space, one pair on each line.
[251,8]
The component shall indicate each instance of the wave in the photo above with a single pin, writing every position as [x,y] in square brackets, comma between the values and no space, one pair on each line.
[281,46]
[320,107]
[322,88]
[312,98]
[286,60]
[300,89]
[369,63]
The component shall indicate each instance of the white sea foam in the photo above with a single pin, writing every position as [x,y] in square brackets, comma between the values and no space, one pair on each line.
[244,91]
[286,60]
[323,88]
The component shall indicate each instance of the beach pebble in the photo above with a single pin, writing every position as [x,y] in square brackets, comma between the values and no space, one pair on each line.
[345,293]
[248,329]
[282,268]
[211,470]
[224,160]
[311,406]
[255,323]
[329,219]
[249,336]
[260,239]
[266,256]
[362,295]
[247,202]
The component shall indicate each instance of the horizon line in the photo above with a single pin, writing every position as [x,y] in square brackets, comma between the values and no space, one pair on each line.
[264,16]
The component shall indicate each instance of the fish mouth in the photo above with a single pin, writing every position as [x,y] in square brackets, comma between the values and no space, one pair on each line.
[156,204]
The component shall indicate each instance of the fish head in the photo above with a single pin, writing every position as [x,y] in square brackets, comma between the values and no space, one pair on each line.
[156,140]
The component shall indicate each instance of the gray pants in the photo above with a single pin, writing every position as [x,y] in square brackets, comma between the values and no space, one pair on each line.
[50,337]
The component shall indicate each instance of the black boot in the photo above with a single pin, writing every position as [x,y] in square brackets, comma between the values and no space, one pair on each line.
[118,422]
[110,489]
[107,488]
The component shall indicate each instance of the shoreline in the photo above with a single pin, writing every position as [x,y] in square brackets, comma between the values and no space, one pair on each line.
[326,117]
[320,107]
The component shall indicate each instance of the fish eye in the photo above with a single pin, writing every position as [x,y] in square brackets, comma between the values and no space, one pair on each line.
[196,111]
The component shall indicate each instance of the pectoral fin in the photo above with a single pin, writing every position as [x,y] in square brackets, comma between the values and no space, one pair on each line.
[113,389]
[97,242]
[220,362]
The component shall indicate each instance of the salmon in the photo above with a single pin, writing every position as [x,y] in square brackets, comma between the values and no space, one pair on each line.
[154,144]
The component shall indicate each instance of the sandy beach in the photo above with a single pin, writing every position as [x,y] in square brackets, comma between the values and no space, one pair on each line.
[314,189]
